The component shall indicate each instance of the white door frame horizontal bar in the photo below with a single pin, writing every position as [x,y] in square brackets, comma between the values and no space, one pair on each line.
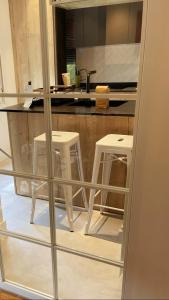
[61,248]
[90,185]
[25,238]
[21,95]
[69,95]
[100,259]
[23,175]
[109,188]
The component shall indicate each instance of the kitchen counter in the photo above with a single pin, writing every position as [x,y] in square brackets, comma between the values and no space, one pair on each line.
[127,108]
[90,122]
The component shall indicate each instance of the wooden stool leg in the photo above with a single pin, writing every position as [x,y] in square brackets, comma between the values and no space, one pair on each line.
[66,173]
[107,165]
[96,167]
[35,166]
[81,175]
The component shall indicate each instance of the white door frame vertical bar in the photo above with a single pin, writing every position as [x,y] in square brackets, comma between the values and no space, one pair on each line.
[48,124]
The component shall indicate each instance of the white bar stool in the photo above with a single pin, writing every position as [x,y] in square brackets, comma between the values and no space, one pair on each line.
[111,146]
[62,142]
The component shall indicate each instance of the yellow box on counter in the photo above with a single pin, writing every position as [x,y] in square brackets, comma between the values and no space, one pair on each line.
[102,103]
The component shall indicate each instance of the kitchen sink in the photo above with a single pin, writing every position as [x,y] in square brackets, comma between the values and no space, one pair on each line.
[54,102]
[83,102]
[76,103]
[90,103]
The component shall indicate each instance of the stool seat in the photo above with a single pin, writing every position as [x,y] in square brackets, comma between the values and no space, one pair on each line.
[117,142]
[60,137]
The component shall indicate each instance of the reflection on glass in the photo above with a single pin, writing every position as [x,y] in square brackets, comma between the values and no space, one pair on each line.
[19,128]
[16,209]
[87,279]
[76,155]
[105,157]
[106,229]
[27,264]
[5,149]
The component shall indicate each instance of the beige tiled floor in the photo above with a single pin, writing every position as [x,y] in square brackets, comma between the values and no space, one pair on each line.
[78,278]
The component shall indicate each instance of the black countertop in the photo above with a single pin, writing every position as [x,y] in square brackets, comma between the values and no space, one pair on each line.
[116,108]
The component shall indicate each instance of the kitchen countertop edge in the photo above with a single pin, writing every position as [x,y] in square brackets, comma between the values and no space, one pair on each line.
[126,109]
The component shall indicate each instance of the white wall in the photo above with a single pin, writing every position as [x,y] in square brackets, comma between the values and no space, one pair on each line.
[6,53]
[147,268]
[27,45]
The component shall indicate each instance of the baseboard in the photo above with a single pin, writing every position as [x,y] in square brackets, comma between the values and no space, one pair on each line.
[22,291]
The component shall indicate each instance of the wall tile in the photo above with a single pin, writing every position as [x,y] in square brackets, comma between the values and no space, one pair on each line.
[114,63]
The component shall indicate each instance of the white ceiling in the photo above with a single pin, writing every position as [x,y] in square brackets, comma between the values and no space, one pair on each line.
[75,4]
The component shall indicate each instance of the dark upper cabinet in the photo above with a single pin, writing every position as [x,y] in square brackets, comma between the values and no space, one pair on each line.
[78,28]
[106,25]
[94,20]
[123,23]
[88,26]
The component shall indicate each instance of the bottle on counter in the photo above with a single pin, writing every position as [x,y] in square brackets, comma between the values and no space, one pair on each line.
[28,89]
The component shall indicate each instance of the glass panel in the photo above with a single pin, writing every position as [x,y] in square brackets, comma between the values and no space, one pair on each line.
[25,35]
[19,151]
[89,129]
[87,279]
[27,264]
[105,233]
[23,59]
[23,127]
[16,208]
[105,237]
[5,140]
[99,37]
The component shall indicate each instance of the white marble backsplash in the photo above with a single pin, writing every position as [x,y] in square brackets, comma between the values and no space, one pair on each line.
[113,63]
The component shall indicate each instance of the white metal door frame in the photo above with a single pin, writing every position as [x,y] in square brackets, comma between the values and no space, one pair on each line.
[50,179]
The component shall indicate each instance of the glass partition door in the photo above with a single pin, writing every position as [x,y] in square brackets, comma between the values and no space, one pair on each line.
[79,161]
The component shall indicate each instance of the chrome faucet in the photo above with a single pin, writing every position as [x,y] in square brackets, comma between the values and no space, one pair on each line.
[88,74]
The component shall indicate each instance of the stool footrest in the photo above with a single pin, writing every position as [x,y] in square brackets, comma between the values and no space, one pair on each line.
[39,186]
[62,205]
[115,158]
[44,197]
[61,202]
[77,193]
[109,207]
[97,193]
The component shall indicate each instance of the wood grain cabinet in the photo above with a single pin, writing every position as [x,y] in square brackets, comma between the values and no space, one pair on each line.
[117,24]
[123,23]
[77,33]
[131,125]
[85,27]
[135,22]
[94,26]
